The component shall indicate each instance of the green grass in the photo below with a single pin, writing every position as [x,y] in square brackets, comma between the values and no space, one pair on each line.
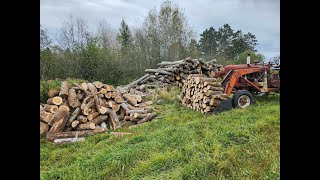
[183,144]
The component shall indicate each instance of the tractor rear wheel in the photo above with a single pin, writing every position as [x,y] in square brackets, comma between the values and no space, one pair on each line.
[242,99]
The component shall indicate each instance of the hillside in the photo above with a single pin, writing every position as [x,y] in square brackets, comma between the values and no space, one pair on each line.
[183,144]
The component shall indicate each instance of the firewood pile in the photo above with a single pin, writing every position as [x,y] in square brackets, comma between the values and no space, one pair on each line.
[202,93]
[91,108]
[171,73]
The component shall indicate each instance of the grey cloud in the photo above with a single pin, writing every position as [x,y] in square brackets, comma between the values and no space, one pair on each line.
[260,17]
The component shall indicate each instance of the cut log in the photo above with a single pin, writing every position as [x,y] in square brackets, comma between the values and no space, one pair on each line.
[109,88]
[98,120]
[72,134]
[84,86]
[116,107]
[97,84]
[59,125]
[91,116]
[147,79]
[120,133]
[141,111]
[73,116]
[114,122]
[68,140]
[139,116]
[166,63]
[53,92]
[50,108]
[103,125]
[57,116]
[72,99]
[108,95]
[80,96]
[86,126]
[75,123]
[82,118]
[45,116]
[103,90]
[64,108]
[136,82]
[64,90]
[92,88]
[57,100]
[43,128]
[147,118]
[87,107]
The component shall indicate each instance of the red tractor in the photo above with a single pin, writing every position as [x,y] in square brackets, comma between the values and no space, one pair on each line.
[247,80]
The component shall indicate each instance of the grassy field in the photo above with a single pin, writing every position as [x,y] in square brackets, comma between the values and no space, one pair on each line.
[183,144]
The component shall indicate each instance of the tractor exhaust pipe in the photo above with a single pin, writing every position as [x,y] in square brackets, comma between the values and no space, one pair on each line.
[248,60]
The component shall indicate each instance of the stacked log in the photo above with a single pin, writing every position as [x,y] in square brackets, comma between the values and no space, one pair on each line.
[90,108]
[201,93]
[171,74]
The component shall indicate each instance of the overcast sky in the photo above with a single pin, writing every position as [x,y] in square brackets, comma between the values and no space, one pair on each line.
[260,17]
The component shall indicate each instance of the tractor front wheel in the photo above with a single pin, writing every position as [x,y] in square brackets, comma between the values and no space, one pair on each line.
[242,99]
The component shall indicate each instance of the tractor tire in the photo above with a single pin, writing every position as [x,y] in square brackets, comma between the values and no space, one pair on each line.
[242,99]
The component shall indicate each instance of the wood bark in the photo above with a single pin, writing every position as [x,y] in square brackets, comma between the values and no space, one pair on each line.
[50,108]
[45,116]
[64,90]
[86,126]
[59,125]
[43,127]
[72,99]
[53,92]
[147,118]
[72,134]
[57,100]
[73,116]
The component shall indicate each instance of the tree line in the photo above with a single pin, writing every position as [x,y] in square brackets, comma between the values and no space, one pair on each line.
[117,56]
